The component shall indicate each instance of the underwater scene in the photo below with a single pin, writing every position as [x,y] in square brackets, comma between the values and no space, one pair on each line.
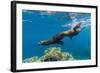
[55,36]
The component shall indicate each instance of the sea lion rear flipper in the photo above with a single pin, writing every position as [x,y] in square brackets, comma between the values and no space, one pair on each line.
[60,42]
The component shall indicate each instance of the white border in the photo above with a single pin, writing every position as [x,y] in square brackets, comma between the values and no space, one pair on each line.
[21,65]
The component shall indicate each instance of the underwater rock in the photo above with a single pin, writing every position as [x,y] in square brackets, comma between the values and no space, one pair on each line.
[32,59]
[55,54]
[51,54]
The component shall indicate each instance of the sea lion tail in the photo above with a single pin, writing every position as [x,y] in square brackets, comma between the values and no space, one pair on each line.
[41,42]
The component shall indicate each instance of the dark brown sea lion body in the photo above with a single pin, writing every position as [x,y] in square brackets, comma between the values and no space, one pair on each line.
[58,38]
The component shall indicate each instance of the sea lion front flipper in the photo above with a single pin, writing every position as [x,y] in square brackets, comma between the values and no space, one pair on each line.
[71,37]
[60,42]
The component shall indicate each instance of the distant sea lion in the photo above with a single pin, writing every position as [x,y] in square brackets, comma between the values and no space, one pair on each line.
[58,38]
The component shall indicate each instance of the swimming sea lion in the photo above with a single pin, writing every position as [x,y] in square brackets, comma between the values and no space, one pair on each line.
[58,38]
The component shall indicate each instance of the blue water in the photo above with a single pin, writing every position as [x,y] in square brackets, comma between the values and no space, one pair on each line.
[43,25]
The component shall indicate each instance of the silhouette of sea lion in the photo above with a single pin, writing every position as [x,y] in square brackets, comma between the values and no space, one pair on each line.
[58,38]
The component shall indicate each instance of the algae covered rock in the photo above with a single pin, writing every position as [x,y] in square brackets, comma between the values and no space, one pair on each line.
[55,54]
[32,59]
[51,54]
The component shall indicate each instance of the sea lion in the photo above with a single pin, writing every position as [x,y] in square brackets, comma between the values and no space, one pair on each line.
[58,38]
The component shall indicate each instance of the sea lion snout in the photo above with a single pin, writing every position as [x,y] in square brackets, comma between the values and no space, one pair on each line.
[78,24]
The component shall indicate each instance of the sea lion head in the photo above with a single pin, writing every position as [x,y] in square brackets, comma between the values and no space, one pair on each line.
[78,23]
[77,26]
